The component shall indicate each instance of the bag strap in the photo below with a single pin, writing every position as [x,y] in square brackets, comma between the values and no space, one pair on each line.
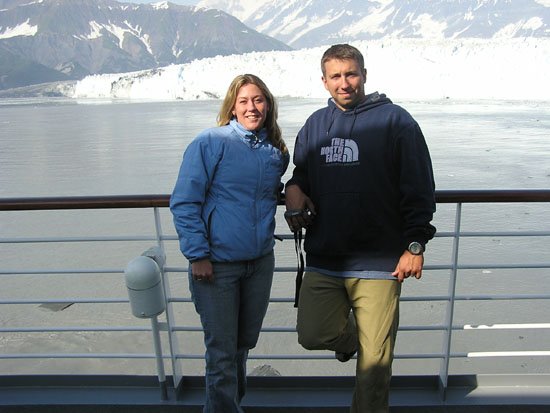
[300,257]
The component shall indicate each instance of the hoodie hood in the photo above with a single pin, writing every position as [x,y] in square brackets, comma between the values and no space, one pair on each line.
[371,101]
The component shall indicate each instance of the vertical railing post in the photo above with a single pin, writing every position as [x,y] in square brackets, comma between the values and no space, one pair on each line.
[159,358]
[444,364]
[170,318]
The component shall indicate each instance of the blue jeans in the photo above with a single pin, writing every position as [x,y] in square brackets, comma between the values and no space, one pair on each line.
[232,309]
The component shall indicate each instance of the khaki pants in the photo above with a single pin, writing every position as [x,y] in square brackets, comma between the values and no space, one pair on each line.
[324,323]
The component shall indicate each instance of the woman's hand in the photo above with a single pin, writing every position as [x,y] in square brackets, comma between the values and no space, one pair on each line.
[202,270]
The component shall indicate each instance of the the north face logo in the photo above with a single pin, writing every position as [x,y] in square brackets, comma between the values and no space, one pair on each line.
[341,151]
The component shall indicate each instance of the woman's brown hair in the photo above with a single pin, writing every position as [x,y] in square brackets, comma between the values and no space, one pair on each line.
[226,112]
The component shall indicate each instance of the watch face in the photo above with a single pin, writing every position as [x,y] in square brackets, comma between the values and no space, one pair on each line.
[415,248]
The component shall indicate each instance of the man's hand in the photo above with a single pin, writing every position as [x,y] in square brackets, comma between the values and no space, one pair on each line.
[296,204]
[409,265]
[202,270]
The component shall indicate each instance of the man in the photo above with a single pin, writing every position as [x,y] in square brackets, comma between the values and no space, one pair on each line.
[363,170]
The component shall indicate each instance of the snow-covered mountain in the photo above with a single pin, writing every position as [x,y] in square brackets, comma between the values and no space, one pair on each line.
[310,23]
[45,40]
[421,49]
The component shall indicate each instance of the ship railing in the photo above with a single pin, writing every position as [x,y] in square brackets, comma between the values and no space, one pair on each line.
[452,203]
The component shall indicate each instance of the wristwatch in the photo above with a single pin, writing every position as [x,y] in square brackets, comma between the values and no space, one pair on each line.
[415,248]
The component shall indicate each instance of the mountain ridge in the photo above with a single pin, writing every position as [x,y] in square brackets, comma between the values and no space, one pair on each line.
[311,23]
[81,37]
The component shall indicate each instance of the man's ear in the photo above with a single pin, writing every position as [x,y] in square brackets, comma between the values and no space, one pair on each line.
[324,82]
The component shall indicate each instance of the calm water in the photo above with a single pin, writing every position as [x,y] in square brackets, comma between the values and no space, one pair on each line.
[66,148]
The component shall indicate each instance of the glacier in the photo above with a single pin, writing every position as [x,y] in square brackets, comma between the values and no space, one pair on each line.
[515,69]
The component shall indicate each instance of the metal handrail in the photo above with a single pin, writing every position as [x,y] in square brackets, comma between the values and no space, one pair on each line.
[84,202]
[149,201]
[458,197]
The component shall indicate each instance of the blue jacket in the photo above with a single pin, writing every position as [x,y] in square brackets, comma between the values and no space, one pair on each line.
[225,198]
[369,174]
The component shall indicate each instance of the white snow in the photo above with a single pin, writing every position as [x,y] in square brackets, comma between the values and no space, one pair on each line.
[95,30]
[533,23]
[426,27]
[160,5]
[175,50]
[118,32]
[138,32]
[372,23]
[403,68]
[301,26]
[23,29]
[241,9]
[511,29]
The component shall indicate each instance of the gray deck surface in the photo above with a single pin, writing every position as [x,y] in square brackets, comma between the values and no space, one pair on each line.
[61,394]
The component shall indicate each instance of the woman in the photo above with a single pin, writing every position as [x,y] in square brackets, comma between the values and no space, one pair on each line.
[224,207]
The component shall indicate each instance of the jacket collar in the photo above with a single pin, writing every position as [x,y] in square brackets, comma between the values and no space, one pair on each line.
[249,137]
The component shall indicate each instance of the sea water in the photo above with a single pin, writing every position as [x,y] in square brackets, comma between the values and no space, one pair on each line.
[51,147]
[64,147]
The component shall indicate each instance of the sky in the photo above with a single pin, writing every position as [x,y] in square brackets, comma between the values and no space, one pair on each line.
[184,2]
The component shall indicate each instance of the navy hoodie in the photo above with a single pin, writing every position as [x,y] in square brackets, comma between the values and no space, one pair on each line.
[369,174]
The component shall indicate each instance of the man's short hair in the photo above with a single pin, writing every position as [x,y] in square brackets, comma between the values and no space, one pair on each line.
[342,52]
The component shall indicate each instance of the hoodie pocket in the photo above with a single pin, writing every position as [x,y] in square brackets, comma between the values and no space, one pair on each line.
[344,224]
[208,220]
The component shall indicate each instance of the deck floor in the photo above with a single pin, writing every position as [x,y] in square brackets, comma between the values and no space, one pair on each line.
[121,394]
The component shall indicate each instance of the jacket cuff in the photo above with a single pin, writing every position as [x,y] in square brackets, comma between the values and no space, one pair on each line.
[191,261]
